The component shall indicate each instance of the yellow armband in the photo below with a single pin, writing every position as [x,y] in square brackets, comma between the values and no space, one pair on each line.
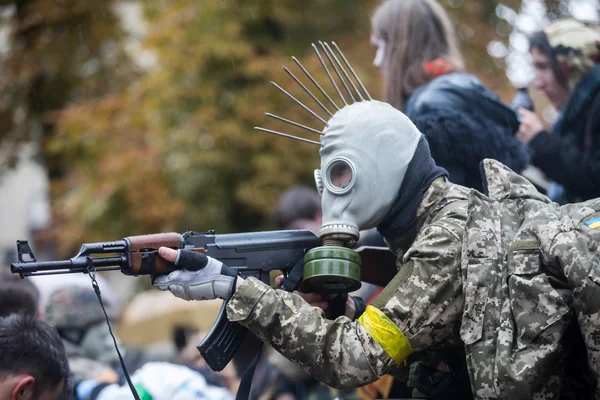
[386,333]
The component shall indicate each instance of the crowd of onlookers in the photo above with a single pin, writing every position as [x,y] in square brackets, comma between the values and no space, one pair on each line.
[60,346]
[465,122]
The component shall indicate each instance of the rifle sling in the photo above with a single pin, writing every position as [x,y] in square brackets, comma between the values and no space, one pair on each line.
[243,392]
[289,285]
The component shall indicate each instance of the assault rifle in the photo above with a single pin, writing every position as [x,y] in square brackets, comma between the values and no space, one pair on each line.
[253,254]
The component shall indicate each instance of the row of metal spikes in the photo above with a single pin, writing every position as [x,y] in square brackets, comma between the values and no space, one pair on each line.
[337,66]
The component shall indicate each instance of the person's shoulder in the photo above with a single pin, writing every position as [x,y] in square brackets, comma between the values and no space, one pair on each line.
[449,215]
[456,79]
[452,218]
[445,90]
[448,82]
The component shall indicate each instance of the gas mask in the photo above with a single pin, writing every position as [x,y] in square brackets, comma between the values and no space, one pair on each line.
[366,148]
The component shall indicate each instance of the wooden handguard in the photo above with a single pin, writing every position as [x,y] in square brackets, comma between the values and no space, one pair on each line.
[144,253]
[155,240]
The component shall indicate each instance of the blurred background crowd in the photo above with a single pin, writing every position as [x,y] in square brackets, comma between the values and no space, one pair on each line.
[120,118]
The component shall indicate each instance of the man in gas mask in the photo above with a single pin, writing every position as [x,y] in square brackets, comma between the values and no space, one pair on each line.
[502,274]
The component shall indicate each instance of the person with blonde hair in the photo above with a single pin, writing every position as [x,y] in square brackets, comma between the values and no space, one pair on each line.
[423,70]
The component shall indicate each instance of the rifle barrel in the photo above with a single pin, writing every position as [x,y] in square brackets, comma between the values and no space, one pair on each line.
[72,265]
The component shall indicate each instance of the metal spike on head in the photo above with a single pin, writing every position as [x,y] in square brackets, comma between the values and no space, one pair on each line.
[328,74]
[307,91]
[287,135]
[315,82]
[341,70]
[299,103]
[352,70]
[308,128]
[327,49]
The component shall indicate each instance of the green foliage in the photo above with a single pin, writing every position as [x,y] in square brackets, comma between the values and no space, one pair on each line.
[60,51]
[176,149]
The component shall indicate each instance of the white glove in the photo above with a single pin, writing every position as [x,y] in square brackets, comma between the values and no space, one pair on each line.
[202,277]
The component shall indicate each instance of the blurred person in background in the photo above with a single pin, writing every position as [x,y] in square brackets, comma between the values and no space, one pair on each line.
[33,363]
[76,315]
[463,121]
[47,284]
[566,57]
[152,377]
[299,207]
[155,381]
[17,295]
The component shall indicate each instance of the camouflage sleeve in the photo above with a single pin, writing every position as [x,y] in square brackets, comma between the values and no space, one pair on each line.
[423,301]
[339,353]
[577,252]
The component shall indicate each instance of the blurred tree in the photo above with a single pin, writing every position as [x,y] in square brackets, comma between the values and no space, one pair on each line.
[56,52]
[477,25]
[175,150]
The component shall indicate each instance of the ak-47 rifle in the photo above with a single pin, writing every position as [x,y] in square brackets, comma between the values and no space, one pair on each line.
[253,254]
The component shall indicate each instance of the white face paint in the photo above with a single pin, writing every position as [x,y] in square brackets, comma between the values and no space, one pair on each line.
[366,149]
[381,47]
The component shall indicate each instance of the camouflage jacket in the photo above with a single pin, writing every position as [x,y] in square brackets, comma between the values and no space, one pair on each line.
[503,274]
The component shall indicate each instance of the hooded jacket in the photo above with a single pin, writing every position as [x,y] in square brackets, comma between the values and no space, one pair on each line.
[464,122]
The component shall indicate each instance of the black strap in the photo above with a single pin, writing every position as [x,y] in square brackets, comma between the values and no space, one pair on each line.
[337,305]
[92,274]
[359,306]
[290,284]
[243,392]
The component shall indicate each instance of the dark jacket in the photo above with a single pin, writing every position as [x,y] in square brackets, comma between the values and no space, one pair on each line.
[570,155]
[464,122]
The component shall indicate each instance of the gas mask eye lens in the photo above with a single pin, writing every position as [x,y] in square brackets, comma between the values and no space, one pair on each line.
[340,175]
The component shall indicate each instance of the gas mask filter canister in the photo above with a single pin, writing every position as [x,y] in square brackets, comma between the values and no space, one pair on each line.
[334,267]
